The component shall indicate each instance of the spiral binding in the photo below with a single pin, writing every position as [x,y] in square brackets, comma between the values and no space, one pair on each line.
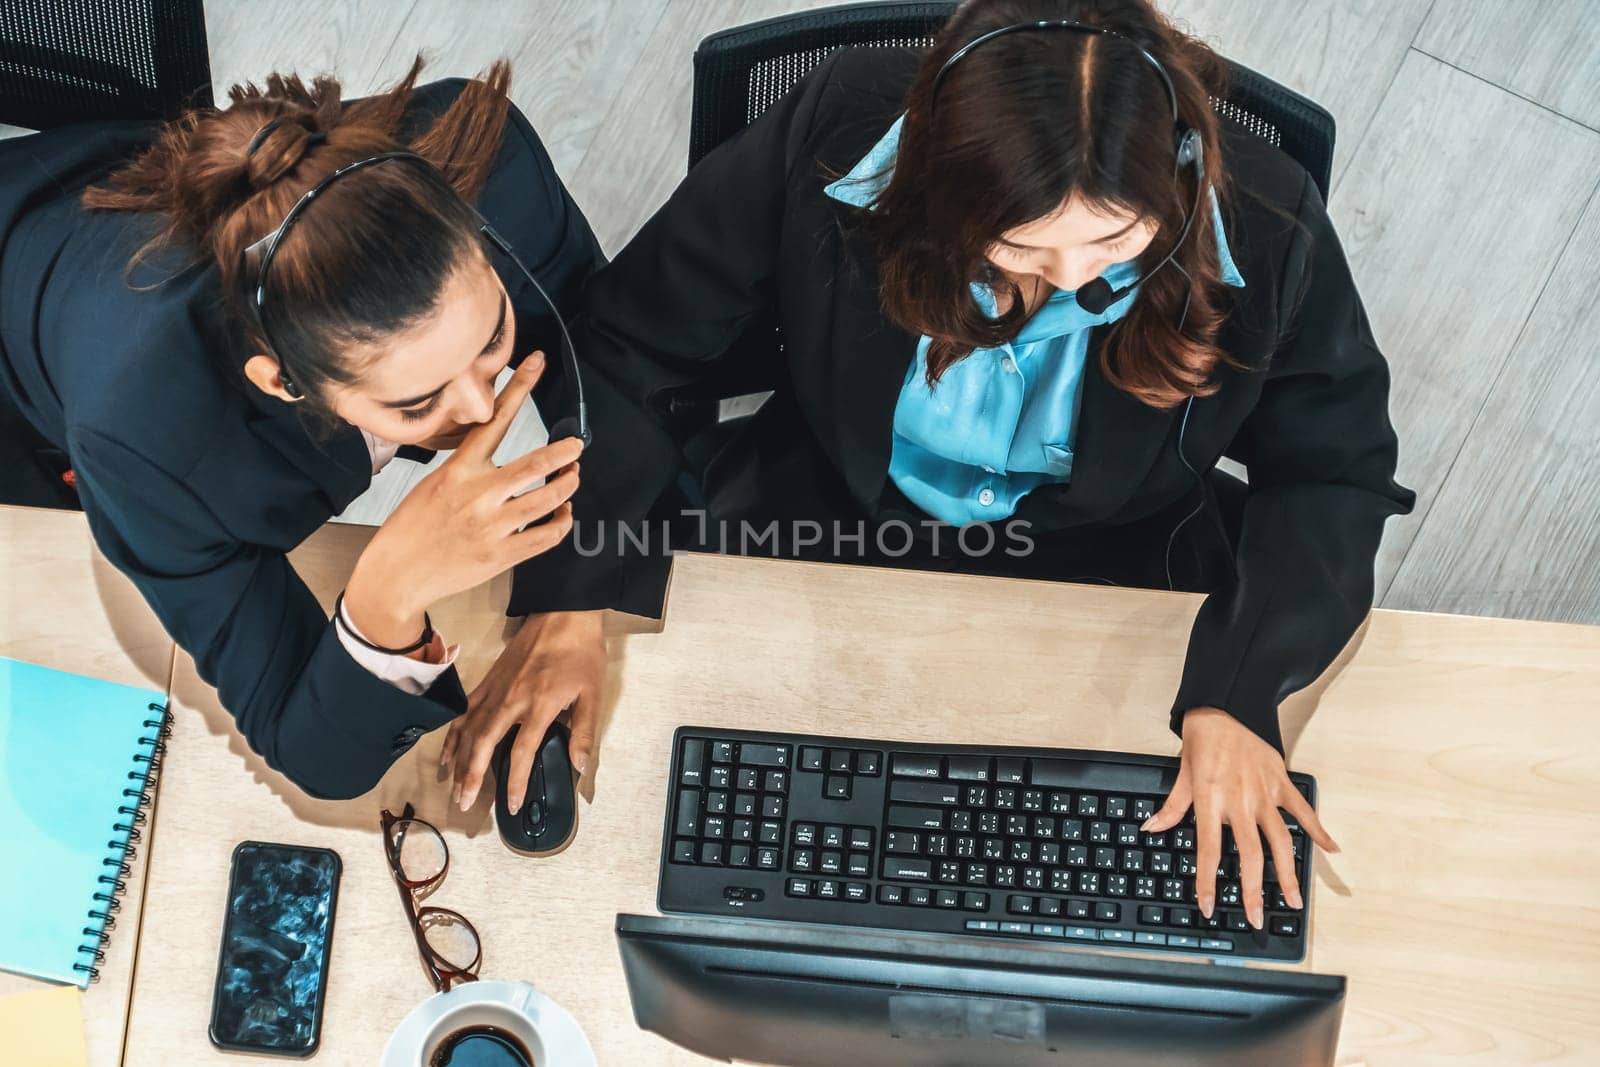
[118,863]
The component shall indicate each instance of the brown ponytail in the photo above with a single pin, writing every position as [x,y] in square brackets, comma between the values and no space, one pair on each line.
[222,179]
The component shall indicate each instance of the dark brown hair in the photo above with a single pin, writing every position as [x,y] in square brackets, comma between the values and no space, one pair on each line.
[374,252]
[1024,122]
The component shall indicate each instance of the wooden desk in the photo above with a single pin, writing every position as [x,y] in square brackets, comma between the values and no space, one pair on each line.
[64,606]
[1454,757]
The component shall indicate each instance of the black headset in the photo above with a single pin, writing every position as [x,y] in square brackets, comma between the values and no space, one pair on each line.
[575,425]
[1097,295]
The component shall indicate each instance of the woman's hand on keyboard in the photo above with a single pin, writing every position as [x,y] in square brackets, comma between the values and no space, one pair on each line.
[1233,778]
[554,662]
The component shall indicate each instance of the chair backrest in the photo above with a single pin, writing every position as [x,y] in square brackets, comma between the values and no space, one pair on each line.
[64,61]
[739,73]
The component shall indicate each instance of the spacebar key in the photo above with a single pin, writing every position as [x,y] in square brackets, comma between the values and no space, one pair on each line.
[1092,774]
[908,870]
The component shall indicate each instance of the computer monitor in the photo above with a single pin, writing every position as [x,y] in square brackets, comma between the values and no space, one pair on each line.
[776,993]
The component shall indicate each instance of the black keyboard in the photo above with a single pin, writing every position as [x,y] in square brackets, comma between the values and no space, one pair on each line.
[1034,843]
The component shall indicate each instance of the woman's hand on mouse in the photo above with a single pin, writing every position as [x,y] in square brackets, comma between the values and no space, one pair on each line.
[554,662]
[463,523]
[1234,778]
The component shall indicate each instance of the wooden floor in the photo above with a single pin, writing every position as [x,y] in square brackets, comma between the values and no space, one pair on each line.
[1464,188]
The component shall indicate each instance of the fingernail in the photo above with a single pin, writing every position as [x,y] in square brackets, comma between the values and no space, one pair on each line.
[1296,900]
[513,804]
[1205,908]
[580,763]
[466,801]
[1146,824]
[1255,919]
[455,794]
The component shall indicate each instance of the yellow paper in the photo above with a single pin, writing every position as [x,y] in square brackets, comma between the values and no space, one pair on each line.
[44,1027]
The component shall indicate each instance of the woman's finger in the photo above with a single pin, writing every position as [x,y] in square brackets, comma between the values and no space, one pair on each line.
[1296,805]
[1248,839]
[1208,857]
[529,508]
[1174,808]
[519,768]
[537,540]
[1277,835]
[483,439]
[519,475]
[473,762]
[585,717]
[447,750]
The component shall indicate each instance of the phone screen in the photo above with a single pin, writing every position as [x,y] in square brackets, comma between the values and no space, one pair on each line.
[275,940]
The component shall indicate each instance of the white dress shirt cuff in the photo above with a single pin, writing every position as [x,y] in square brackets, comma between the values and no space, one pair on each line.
[414,676]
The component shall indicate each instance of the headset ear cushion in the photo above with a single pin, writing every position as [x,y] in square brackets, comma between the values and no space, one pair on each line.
[1188,147]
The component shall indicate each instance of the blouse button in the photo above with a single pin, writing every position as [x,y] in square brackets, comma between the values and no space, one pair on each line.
[986,497]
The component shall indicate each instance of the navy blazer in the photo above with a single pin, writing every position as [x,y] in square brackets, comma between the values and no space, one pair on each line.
[196,484]
[750,237]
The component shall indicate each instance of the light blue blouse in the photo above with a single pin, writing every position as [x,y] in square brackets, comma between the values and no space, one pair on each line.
[1001,422]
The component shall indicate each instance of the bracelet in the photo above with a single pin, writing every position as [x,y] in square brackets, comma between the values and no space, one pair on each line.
[422,642]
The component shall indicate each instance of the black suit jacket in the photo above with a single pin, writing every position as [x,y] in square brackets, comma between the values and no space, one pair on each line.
[751,231]
[195,483]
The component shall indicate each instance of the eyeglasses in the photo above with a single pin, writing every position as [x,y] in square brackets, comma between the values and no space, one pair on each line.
[419,860]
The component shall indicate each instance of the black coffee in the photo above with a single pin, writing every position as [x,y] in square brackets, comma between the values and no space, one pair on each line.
[482,1046]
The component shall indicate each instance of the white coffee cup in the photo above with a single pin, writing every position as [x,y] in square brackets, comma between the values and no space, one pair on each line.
[544,1028]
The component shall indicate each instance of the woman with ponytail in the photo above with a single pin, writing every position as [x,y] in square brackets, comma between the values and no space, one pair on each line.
[1030,277]
[226,362]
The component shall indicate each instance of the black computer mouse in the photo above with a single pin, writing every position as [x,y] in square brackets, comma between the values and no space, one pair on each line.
[549,812]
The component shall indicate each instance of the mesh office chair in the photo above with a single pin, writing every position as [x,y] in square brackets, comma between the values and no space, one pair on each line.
[64,61]
[740,72]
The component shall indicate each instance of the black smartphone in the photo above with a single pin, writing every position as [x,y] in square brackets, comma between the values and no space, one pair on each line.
[272,973]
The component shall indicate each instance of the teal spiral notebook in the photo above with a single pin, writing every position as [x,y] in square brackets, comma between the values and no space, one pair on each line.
[77,763]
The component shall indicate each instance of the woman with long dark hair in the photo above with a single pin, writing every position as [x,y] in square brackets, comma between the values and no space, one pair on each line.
[1014,286]
[229,323]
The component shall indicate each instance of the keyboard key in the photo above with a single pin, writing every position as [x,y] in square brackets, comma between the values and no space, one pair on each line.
[1009,770]
[833,837]
[744,804]
[905,765]
[1133,863]
[1089,883]
[1070,830]
[1105,859]
[949,871]
[720,778]
[839,761]
[1020,905]
[803,860]
[907,870]
[919,897]
[711,853]
[1082,933]
[805,834]
[772,833]
[891,894]
[765,755]
[828,890]
[1144,887]
[1116,807]
[1088,804]
[739,856]
[798,887]
[693,763]
[1143,808]
[772,808]
[777,782]
[716,803]
[1236,921]
[860,838]
[1182,941]
[860,865]
[1033,878]
[1016,928]
[1100,833]
[1145,937]
[682,851]
[977,874]
[857,892]
[1151,915]
[946,898]
[722,752]
[975,901]
[977,796]
[1005,798]
[744,830]
[715,826]
[986,926]
[837,787]
[688,823]
[902,841]
[908,792]
[915,818]
[1117,885]
[749,778]
[1078,908]
[1106,912]
[766,859]
[1047,930]
[1180,917]
[1116,935]
[869,763]
[1127,833]
[969,768]
[1050,906]
[1216,944]
[812,759]
[1284,925]
[831,863]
